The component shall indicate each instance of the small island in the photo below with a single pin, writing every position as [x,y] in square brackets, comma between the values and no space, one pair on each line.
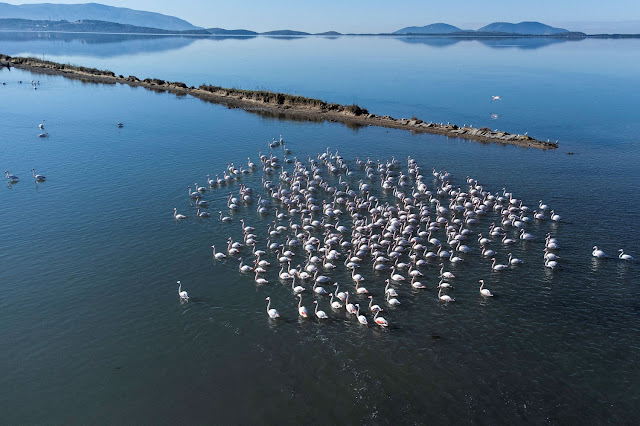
[278,105]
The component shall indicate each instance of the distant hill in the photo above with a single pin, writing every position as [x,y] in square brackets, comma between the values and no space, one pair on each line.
[438,28]
[533,28]
[222,31]
[84,26]
[286,33]
[94,11]
[329,33]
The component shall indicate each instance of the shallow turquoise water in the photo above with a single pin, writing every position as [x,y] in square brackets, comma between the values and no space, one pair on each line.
[92,327]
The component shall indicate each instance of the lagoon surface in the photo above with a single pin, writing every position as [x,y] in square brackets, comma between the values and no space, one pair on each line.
[93,329]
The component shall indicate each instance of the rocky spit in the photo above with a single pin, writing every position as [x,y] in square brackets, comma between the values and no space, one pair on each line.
[278,105]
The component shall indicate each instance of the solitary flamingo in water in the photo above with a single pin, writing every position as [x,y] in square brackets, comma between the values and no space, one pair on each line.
[273,313]
[496,98]
[182,293]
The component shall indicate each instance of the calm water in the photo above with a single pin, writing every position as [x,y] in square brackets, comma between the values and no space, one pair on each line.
[92,327]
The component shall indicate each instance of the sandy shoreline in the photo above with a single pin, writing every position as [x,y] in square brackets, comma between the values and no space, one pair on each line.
[276,105]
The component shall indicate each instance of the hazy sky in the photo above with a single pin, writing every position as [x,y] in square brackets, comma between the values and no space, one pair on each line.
[362,16]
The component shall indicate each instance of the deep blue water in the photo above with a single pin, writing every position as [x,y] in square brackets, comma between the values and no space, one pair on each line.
[93,330]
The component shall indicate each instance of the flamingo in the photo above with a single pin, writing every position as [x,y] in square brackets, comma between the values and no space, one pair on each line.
[388,290]
[361,318]
[598,253]
[219,255]
[335,304]
[447,274]
[10,177]
[624,256]
[498,267]
[182,293]
[342,295]
[273,313]
[380,320]
[484,291]
[417,284]
[496,98]
[445,298]
[244,268]
[514,260]
[361,290]
[260,280]
[392,300]
[320,314]
[296,288]
[349,306]
[39,178]
[372,307]
[319,290]
[302,311]
[178,216]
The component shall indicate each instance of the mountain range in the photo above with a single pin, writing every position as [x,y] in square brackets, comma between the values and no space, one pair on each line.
[98,17]
[94,11]
[522,28]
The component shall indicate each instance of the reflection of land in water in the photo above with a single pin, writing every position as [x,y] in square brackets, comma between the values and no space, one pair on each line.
[96,45]
[493,42]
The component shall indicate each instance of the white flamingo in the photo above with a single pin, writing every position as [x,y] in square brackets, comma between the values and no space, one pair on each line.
[350,307]
[335,304]
[320,314]
[392,300]
[498,267]
[445,298]
[218,255]
[302,311]
[273,313]
[598,253]
[372,307]
[484,291]
[380,320]
[514,260]
[361,318]
[296,288]
[178,216]
[39,178]
[624,256]
[182,293]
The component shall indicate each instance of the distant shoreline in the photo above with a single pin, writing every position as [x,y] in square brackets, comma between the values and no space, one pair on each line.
[277,105]
[459,35]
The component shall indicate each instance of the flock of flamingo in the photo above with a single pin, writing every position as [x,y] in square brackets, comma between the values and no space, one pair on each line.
[329,212]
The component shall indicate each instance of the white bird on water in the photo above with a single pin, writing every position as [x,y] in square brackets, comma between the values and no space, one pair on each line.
[598,253]
[496,98]
[624,256]
[484,291]
[182,293]
[39,178]
[273,313]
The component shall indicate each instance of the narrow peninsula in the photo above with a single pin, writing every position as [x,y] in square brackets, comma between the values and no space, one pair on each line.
[277,105]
